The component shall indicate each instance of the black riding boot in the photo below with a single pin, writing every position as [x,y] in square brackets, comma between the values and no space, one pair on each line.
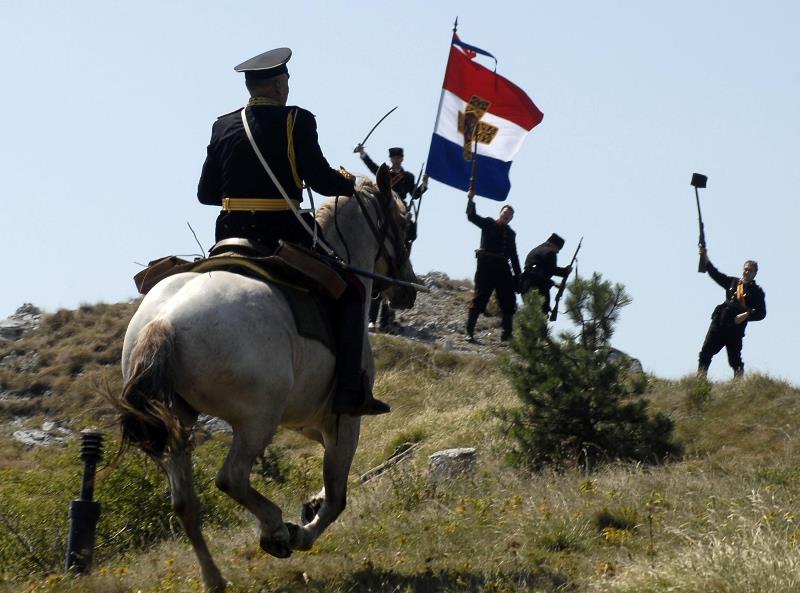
[472,319]
[508,321]
[353,394]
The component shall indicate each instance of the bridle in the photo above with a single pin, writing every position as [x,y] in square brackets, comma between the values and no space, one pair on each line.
[387,229]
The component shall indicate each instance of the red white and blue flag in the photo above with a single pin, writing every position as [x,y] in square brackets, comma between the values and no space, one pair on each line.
[478,108]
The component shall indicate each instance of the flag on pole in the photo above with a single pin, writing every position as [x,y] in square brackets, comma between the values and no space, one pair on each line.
[478,108]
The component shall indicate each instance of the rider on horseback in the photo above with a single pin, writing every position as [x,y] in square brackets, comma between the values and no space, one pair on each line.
[254,208]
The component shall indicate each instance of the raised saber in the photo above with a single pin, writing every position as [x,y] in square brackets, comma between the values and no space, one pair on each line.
[388,113]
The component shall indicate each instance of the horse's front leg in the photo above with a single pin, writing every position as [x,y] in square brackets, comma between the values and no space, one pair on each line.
[338,456]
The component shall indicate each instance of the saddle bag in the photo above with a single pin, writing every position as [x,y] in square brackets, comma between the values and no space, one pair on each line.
[157,270]
[308,264]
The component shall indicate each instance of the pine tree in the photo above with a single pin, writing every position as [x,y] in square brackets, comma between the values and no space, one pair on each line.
[577,405]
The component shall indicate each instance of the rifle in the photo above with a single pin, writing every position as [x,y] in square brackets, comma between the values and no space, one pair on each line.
[699,180]
[560,293]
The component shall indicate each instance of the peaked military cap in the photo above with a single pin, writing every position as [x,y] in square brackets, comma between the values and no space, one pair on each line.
[556,240]
[263,66]
[396,151]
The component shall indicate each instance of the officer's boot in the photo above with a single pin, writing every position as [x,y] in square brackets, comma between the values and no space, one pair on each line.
[508,320]
[353,394]
[472,319]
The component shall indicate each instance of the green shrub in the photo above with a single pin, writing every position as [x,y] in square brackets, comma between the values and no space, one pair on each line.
[134,499]
[577,406]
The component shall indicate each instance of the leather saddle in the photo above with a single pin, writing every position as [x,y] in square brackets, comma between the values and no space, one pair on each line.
[309,284]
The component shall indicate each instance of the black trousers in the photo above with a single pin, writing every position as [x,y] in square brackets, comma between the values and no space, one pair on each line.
[379,308]
[719,336]
[494,277]
[531,281]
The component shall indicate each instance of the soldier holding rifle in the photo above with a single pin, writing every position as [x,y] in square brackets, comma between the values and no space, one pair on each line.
[541,265]
[744,302]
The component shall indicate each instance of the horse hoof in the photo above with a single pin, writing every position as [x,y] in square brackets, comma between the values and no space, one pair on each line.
[277,549]
[297,537]
[309,511]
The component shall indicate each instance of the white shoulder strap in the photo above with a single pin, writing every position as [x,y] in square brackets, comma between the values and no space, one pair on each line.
[277,184]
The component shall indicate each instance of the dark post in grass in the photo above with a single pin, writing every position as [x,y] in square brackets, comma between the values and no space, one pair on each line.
[84,513]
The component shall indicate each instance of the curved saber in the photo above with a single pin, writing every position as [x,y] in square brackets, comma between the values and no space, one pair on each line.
[388,113]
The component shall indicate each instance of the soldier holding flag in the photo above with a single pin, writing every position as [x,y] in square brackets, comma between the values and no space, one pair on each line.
[498,249]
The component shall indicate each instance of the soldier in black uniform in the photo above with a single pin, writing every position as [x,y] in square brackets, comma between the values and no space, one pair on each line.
[403,182]
[404,185]
[253,207]
[541,265]
[498,248]
[744,302]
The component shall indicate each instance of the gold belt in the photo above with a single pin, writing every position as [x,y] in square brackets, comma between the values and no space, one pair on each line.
[257,204]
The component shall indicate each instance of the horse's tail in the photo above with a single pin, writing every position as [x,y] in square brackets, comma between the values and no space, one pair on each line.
[146,402]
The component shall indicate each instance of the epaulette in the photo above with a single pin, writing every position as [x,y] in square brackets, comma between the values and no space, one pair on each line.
[301,110]
[237,110]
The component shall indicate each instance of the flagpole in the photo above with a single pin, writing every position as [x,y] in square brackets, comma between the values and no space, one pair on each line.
[474,164]
[441,96]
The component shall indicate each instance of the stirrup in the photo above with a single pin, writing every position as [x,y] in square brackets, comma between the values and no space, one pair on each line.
[369,407]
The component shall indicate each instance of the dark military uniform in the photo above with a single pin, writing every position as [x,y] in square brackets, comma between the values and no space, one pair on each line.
[403,182]
[498,248]
[287,137]
[723,330]
[254,208]
[540,266]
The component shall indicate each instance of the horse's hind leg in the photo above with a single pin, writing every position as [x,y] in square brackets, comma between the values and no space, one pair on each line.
[339,451]
[184,503]
[234,479]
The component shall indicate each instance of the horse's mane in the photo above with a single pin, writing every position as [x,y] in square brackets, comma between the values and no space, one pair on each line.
[364,186]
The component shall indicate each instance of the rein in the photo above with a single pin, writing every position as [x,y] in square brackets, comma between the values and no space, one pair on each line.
[400,253]
[380,236]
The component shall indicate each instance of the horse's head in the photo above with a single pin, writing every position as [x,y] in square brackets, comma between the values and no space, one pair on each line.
[393,253]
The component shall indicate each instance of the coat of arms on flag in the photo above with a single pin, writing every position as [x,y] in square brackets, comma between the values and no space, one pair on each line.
[482,120]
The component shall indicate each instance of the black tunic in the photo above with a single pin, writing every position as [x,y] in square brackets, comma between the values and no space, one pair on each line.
[725,313]
[233,170]
[540,267]
[498,248]
[723,331]
[402,181]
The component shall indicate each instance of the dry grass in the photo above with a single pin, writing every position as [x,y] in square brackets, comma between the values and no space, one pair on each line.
[59,371]
[725,518]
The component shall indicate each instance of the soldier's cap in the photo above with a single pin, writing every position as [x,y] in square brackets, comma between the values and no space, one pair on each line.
[264,66]
[396,151]
[556,240]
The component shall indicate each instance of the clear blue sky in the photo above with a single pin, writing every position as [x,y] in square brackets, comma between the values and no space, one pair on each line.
[108,108]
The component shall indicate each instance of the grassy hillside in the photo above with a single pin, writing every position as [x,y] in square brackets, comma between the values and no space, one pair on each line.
[723,518]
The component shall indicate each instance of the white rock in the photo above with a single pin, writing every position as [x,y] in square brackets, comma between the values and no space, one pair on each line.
[449,463]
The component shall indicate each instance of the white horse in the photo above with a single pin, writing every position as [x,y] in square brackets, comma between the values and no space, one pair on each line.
[226,345]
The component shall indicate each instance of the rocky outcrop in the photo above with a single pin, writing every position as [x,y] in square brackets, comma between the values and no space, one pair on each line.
[50,433]
[25,319]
